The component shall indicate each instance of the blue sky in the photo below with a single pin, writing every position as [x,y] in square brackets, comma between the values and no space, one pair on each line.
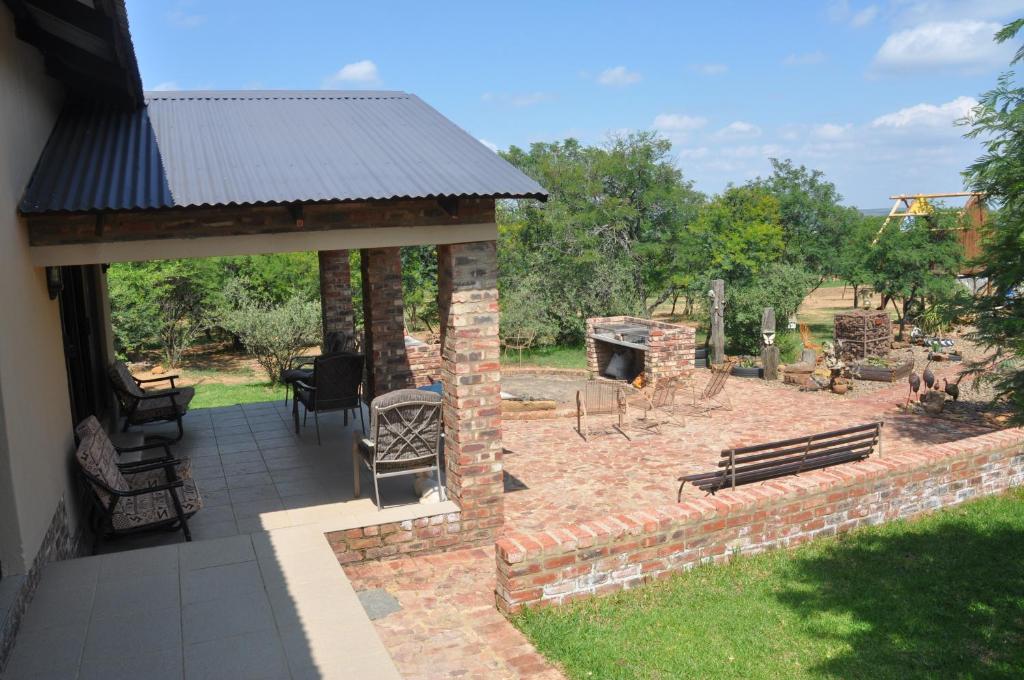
[866,91]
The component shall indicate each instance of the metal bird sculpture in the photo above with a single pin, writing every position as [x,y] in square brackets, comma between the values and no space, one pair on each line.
[952,389]
[915,384]
[929,377]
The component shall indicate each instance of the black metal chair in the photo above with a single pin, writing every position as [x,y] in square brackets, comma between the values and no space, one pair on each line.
[335,385]
[301,368]
[140,406]
[129,497]
[405,438]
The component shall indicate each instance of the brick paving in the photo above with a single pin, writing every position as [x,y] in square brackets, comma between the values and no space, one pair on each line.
[448,625]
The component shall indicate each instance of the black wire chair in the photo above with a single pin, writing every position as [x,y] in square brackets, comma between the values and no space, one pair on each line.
[335,385]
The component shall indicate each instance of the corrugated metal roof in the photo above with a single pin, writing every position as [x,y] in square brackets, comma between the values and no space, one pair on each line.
[223,148]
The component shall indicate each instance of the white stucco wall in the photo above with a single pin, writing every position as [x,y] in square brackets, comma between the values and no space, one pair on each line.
[35,416]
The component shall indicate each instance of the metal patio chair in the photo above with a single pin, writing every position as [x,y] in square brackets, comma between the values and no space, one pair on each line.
[301,368]
[405,438]
[598,397]
[336,385]
[130,497]
[712,398]
[657,402]
[140,406]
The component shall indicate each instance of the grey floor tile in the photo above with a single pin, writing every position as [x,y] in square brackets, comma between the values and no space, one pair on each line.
[244,468]
[241,457]
[48,650]
[154,631]
[248,480]
[163,665]
[254,656]
[225,581]
[245,494]
[214,498]
[245,509]
[212,530]
[227,617]
[137,594]
[151,561]
[203,554]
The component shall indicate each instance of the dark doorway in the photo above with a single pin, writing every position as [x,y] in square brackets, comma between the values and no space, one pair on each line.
[84,341]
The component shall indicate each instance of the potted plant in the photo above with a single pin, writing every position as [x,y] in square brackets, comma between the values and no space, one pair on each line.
[748,367]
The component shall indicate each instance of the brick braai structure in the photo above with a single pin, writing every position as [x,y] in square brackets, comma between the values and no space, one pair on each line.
[468,279]
[336,292]
[384,322]
[670,348]
[424,362]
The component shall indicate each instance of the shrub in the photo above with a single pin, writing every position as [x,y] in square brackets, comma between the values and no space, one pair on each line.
[273,334]
[780,286]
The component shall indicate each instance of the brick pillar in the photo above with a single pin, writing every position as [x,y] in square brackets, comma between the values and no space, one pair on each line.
[468,277]
[336,292]
[384,321]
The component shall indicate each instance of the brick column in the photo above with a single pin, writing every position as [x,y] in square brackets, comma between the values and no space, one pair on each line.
[468,277]
[384,321]
[336,292]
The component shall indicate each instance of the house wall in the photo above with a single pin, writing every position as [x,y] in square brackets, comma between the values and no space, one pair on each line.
[35,416]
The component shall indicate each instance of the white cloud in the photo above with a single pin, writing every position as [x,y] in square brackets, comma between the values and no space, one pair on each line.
[519,101]
[166,86]
[677,122]
[864,16]
[710,69]
[926,115]
[804,59]
[964,45]
[693,152]
[830,130]
[910,12]
[738,130]
[490,145]
[364,72]
[618,76]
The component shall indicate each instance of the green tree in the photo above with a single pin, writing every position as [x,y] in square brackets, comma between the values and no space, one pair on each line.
[779,285]
[853,259]
[419,287]
[815,226]
[916,262]
[998,122]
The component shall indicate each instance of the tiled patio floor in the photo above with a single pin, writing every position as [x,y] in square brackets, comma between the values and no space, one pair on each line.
[268,605]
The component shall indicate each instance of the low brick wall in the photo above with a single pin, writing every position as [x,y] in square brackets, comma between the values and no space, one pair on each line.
[434,534]
[424,362]
[620,551]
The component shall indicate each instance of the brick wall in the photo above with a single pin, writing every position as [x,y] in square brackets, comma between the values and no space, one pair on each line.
[620,551]
[468,277]
[424,362]
[384,322]
[670,350]
[336,292]
[437,533]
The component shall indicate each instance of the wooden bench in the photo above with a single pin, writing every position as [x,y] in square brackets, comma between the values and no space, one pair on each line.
[757,463]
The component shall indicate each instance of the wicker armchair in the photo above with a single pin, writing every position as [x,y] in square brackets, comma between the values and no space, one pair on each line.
[131,497]
[405,438]
[334,386]
[141,406]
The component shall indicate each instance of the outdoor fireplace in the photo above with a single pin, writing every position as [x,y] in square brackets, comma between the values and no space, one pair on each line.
[624,347]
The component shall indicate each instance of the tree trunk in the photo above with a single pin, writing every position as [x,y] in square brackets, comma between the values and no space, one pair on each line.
[718,322]
[856,298]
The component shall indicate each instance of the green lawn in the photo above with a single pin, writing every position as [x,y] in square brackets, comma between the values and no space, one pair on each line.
[555,356]
[939,597]
[216,394]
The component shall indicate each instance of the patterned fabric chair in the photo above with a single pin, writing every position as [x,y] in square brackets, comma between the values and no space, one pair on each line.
[140,406]
[334,386]
[132,497]
[301,368]
[405,438]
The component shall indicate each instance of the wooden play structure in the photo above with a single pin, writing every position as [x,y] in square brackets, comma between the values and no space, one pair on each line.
[973,216]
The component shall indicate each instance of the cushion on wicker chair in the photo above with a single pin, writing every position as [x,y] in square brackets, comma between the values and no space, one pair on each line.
[155,508]
[123,380]
[97,456]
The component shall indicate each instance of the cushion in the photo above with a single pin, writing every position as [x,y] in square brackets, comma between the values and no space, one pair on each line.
[157,507]
[126,389]
[149,410]
[292,374]
[97,456]
[619,366]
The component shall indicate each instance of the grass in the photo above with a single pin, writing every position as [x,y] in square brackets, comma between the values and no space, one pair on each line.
[555,356]
[942,596]
[209,395]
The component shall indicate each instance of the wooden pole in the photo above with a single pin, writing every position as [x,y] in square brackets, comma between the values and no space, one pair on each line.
[717,322]
[769,351]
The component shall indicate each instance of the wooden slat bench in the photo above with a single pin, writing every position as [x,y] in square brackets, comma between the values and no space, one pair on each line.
[757,463]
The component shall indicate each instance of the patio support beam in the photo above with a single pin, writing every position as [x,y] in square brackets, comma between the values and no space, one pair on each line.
[336,292]
[468,285]
[384,322]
